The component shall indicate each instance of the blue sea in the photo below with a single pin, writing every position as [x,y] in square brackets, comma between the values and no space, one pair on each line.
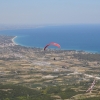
[70,37]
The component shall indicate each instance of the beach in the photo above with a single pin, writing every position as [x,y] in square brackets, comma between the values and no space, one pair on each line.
[14,41]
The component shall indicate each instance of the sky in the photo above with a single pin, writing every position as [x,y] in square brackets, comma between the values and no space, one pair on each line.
[49,12]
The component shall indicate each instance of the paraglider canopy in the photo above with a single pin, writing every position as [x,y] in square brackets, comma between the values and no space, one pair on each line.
[52,43]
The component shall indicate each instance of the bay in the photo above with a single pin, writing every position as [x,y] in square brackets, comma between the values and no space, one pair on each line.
[70,37]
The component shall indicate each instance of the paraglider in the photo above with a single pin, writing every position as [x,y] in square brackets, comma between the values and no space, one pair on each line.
[52,43]
[54,59]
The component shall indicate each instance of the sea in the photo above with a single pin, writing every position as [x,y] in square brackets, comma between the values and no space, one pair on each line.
[70,37]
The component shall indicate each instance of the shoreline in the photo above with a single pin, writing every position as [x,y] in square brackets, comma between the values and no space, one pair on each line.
[91,52]
[14,41]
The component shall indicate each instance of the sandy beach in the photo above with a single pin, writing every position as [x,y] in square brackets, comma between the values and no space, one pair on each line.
[14,41]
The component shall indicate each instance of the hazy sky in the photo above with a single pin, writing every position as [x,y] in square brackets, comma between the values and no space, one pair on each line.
[37,12]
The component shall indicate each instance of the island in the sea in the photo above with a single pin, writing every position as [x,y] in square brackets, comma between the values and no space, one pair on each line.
[52,74]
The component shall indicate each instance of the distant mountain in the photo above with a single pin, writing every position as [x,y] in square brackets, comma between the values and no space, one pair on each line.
[11,27]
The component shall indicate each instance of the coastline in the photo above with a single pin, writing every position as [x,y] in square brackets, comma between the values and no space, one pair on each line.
[14,41]
[91,52]
[86,51]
